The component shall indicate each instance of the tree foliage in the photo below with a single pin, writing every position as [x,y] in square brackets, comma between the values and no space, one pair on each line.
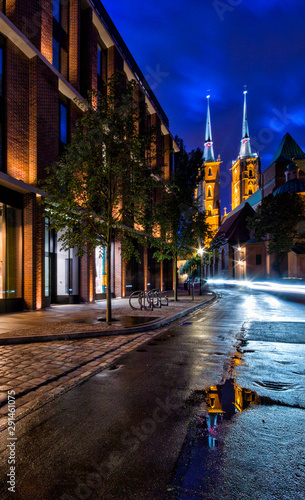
[103,180]
[280,219]
[184,226]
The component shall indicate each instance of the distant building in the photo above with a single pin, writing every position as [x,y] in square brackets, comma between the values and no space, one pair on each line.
[234,251]
[246,169]
[208,190]
[287,152]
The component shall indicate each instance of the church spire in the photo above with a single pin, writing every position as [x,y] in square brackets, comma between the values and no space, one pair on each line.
[208,144]
[245,148]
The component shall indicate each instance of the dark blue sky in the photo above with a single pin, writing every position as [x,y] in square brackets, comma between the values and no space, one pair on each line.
[184,48]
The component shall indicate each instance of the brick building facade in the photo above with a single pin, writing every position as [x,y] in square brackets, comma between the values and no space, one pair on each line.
[52,52]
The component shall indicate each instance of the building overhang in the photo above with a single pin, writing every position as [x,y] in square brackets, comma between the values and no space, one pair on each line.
[16,185]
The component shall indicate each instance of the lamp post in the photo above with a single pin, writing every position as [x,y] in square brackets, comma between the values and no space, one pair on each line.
[200,251]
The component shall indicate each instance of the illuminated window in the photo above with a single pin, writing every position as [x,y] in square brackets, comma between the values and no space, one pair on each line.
[10,251]
[2,110]
[210,211]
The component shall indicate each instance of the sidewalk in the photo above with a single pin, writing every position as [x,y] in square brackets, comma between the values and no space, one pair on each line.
[83,321]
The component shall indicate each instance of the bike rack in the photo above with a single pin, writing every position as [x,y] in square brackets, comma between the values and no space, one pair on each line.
[147,299]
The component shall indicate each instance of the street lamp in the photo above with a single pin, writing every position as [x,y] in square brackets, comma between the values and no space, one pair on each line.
[200,251]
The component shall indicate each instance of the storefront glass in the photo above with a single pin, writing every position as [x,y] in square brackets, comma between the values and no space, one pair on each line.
[100,270]
[10,252]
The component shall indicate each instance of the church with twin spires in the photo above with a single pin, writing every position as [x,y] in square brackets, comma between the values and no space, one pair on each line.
[246,172]
[234,252]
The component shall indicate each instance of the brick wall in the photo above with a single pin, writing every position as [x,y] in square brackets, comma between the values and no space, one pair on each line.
[48,118]
[29,279]
[74,44]
[26,16]
[89,38]
[47,29]
[115,61]
[17,112]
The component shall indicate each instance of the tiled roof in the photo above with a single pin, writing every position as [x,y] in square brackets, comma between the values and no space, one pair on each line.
[292,186]
[287,150]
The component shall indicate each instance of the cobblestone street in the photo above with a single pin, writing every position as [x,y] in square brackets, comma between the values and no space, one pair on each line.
[38,372]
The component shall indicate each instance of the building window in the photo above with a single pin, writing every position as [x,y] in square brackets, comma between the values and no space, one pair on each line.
[10,252]
[210,172]
[258,259]
[250,173]
[100,270]
[101,67]
[47,257]
[209,192]
[209,213]
[63,126]
[56,10]
[2,109]
[60,36]
[56,54]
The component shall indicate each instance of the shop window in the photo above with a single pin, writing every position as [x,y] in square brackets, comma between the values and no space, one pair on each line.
[2,108]
[10,252]
[67,274]
[47,257]
[100,270]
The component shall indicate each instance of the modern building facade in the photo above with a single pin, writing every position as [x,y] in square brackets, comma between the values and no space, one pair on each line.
[51,54]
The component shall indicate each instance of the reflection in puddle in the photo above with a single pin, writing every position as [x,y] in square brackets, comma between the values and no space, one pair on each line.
[222,402]
[219,403]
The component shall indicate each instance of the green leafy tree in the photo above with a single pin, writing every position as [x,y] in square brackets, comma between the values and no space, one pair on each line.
[102,183]
[183,225]
[279,219]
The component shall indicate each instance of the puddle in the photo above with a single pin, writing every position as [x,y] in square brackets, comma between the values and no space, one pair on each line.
[218,403]
[125,322]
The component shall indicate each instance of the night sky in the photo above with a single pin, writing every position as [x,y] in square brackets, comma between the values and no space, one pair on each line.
[186,48]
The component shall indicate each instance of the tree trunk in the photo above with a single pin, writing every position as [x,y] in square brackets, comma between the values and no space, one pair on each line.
[277,264]
[108,294]
[175,277]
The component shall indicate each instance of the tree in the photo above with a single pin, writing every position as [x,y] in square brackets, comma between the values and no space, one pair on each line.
[102,183]
[183,225]
[280,219]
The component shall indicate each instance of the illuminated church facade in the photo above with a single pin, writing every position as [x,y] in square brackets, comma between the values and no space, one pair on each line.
[234,252]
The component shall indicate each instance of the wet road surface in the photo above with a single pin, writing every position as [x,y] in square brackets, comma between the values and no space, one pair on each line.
[156,424]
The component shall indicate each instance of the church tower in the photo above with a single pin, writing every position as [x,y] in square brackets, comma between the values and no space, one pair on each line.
[246,170]
[210,184]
